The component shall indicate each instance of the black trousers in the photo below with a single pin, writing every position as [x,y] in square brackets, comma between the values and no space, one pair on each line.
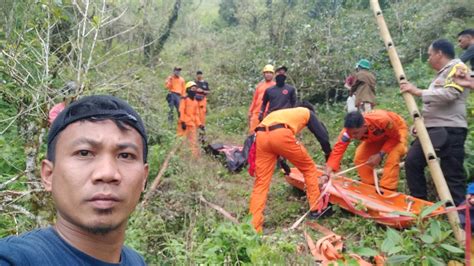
[448,143]
[173,100]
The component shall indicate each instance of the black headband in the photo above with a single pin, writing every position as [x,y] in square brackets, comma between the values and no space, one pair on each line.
[99,107]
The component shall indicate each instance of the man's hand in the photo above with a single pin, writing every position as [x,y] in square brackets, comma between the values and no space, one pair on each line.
[375,159]
[183,125]
[463,78]
[410,88]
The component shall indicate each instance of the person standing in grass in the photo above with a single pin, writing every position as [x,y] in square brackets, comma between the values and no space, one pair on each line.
[361,88]
[445,118]
[254,109]
[189,119]
[280,96]
[466,42]
[176,87]
[201,95]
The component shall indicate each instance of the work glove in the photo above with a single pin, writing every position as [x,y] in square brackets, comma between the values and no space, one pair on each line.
[183,125]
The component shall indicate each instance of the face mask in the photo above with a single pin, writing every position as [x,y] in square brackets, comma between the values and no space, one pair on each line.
[280,80]
[191,93]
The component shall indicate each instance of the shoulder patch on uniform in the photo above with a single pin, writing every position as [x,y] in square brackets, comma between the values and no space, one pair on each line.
[449,82]
[389,125]
[345,137]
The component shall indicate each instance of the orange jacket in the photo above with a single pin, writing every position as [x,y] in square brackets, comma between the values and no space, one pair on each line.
[176,85]
[295,118]
[381,125]
[258,96]
[189,112]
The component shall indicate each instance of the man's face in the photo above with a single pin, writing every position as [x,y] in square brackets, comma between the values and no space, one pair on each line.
[280,71]
[98,175]
[434,58]
[199,77]
[357,133]
[464,41]
[176,72]
[268,76]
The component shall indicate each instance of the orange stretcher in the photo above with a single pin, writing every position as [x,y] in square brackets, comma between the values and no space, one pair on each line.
[387,208]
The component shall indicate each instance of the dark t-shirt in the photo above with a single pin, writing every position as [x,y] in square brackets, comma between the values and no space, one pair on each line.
[46,247]
[204,86]
[278,98]
[468,56]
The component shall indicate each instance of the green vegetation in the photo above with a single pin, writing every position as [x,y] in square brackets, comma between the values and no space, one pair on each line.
[115,50]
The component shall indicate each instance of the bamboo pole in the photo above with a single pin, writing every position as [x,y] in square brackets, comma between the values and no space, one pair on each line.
[430,155]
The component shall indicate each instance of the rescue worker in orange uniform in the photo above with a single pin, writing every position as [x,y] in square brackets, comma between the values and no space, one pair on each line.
[382,134]
[189,120]
[256,104]
[175,85]
[276,137]
[201,95]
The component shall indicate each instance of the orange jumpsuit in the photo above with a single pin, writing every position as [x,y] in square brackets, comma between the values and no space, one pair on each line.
[202,110]
[386,132]
[176,85]
[189,114]
[256,104]
[273,142]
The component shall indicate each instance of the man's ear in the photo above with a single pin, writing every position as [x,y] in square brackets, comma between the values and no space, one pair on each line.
[145,179]
[47,174]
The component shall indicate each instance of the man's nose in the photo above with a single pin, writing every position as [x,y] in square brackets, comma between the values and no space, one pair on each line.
[107,170]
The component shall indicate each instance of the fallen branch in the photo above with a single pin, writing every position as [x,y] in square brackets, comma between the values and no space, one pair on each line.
[219,209]
[157,180]
[13,179]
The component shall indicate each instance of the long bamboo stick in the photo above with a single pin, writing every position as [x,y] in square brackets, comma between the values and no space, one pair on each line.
[430,155]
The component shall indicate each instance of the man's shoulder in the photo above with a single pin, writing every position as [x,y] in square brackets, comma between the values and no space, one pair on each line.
[131,257]
[29,247]
[290,87]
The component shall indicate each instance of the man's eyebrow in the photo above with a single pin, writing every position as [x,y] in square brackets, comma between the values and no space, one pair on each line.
[126,145]
[85,140]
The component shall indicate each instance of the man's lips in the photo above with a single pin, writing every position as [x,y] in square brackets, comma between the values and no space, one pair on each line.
[104,201]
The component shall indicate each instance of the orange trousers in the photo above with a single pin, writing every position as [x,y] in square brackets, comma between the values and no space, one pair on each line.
[270,145]
[391,167]
[202,110]
[191,138]
[253,123]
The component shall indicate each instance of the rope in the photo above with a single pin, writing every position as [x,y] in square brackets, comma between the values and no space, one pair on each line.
[377,188]
[322,194]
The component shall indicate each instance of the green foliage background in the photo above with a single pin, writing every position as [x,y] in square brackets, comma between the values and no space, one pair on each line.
[231,41]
